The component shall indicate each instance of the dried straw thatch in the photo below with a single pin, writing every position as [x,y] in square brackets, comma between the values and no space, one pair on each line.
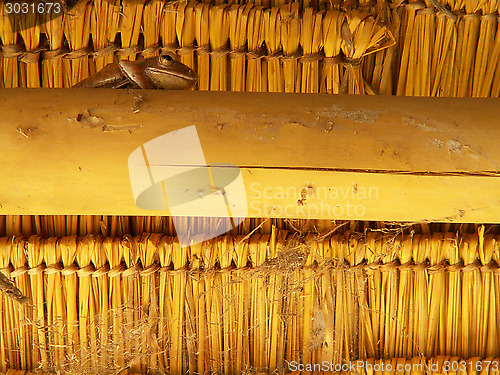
[254,302]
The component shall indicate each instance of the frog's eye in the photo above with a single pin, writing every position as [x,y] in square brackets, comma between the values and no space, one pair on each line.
[166,59]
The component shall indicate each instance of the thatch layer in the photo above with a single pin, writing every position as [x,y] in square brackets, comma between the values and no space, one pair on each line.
[247,302]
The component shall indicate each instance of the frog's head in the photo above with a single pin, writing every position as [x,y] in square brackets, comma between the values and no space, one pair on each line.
[166,73]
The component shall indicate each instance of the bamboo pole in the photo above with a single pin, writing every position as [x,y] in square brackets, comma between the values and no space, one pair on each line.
[443,167]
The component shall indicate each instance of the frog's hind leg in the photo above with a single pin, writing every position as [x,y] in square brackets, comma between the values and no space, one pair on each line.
[108,77]
[135,74]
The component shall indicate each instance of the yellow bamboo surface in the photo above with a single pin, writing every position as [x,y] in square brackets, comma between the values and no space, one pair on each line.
[253,302]
[300,156]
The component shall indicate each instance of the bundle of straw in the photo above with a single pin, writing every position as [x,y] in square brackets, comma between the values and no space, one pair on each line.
[410,51]
[185,28]
[331,72]
[167,27]
[444,56]
[272,33]
[30,31]
[361,36]
[202,19]
[52,62]
[104,25]
[483,53]
[77,32]
[10,51]
[290,35]
[311,39]
[468,32]
[151,27]
[238,19]
[255,39]
[219,38]
[491,81]
[378,68]
[130,28]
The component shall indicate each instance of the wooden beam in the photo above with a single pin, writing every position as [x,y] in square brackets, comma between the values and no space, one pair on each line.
[381,158]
